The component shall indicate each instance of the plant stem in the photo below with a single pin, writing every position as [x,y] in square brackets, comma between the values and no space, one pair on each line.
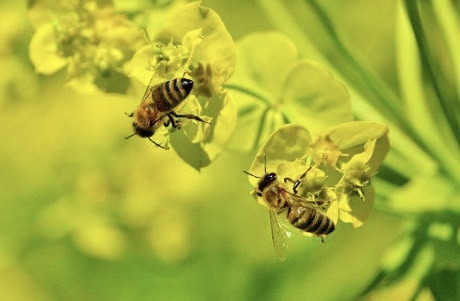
[352,72]
[448,107]
[387,102]
[446,15]
[248,91]
[261,128]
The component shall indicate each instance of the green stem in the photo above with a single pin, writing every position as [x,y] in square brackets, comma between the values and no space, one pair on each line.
[446,15]
[448,107]
[268,106]
[257,96]
[261,127]
[385,100]
[248,91]
[382,99]
[286,118]
[279,16]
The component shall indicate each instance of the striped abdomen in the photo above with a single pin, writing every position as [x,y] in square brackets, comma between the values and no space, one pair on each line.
[310,220]
[170,94]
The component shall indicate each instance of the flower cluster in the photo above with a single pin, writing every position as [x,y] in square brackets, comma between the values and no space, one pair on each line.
[193,42]
[334,169]
[103,50]
[88,38]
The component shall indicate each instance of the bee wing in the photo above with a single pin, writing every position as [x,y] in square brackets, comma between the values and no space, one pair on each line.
[280,235]
[154,82]
[320,205]
[294,199]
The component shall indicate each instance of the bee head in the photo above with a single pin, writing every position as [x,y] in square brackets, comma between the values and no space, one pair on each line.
[142,132]
[187,85]
[267,179]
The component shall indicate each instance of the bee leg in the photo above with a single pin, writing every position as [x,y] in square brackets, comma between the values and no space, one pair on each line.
[322,203]
[296,184]
[189,116]
[129,115]
[174,123]
[298,181]
[160,146]
[170,121]
[322,239]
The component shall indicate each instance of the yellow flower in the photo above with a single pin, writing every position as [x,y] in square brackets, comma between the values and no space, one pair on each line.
[324,150]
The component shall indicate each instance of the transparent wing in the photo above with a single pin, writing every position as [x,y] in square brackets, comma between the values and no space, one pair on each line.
[155,80]
[280,235]
[148,89]
[294,199]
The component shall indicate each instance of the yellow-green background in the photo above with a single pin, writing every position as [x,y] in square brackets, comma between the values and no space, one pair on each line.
[86,215]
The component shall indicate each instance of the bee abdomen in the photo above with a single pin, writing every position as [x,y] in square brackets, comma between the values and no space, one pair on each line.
[170,94]
[310,220]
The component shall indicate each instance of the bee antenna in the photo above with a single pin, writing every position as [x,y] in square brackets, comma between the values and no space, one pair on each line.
[156,143]
[265,163]
[250,174]
[130,136]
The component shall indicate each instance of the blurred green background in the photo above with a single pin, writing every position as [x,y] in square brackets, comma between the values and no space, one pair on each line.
[86,215]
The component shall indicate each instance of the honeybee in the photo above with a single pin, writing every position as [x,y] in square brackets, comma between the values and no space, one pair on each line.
[301,213]
[158,102]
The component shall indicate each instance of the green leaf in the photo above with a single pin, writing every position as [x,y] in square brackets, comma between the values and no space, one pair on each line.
[43,51]
[252,118]
[398,253]
[217,47]
[264,60]
[311,95]
[139,63]
[447,17]
[355,210]
[426,117]
[223,110]
[406,267]
[288,143]
[441,102]
[351,137]
[196,131]
[427,193]
[192,153]
[199,155]
[445,284]
[293,169]
[112,82]
[192,38]
[446,245]
[333,212]
[272,87]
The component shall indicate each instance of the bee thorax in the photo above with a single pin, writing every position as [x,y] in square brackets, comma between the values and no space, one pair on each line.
[273,198]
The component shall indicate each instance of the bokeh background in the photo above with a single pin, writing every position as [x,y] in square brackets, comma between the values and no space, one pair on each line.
[86,215]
